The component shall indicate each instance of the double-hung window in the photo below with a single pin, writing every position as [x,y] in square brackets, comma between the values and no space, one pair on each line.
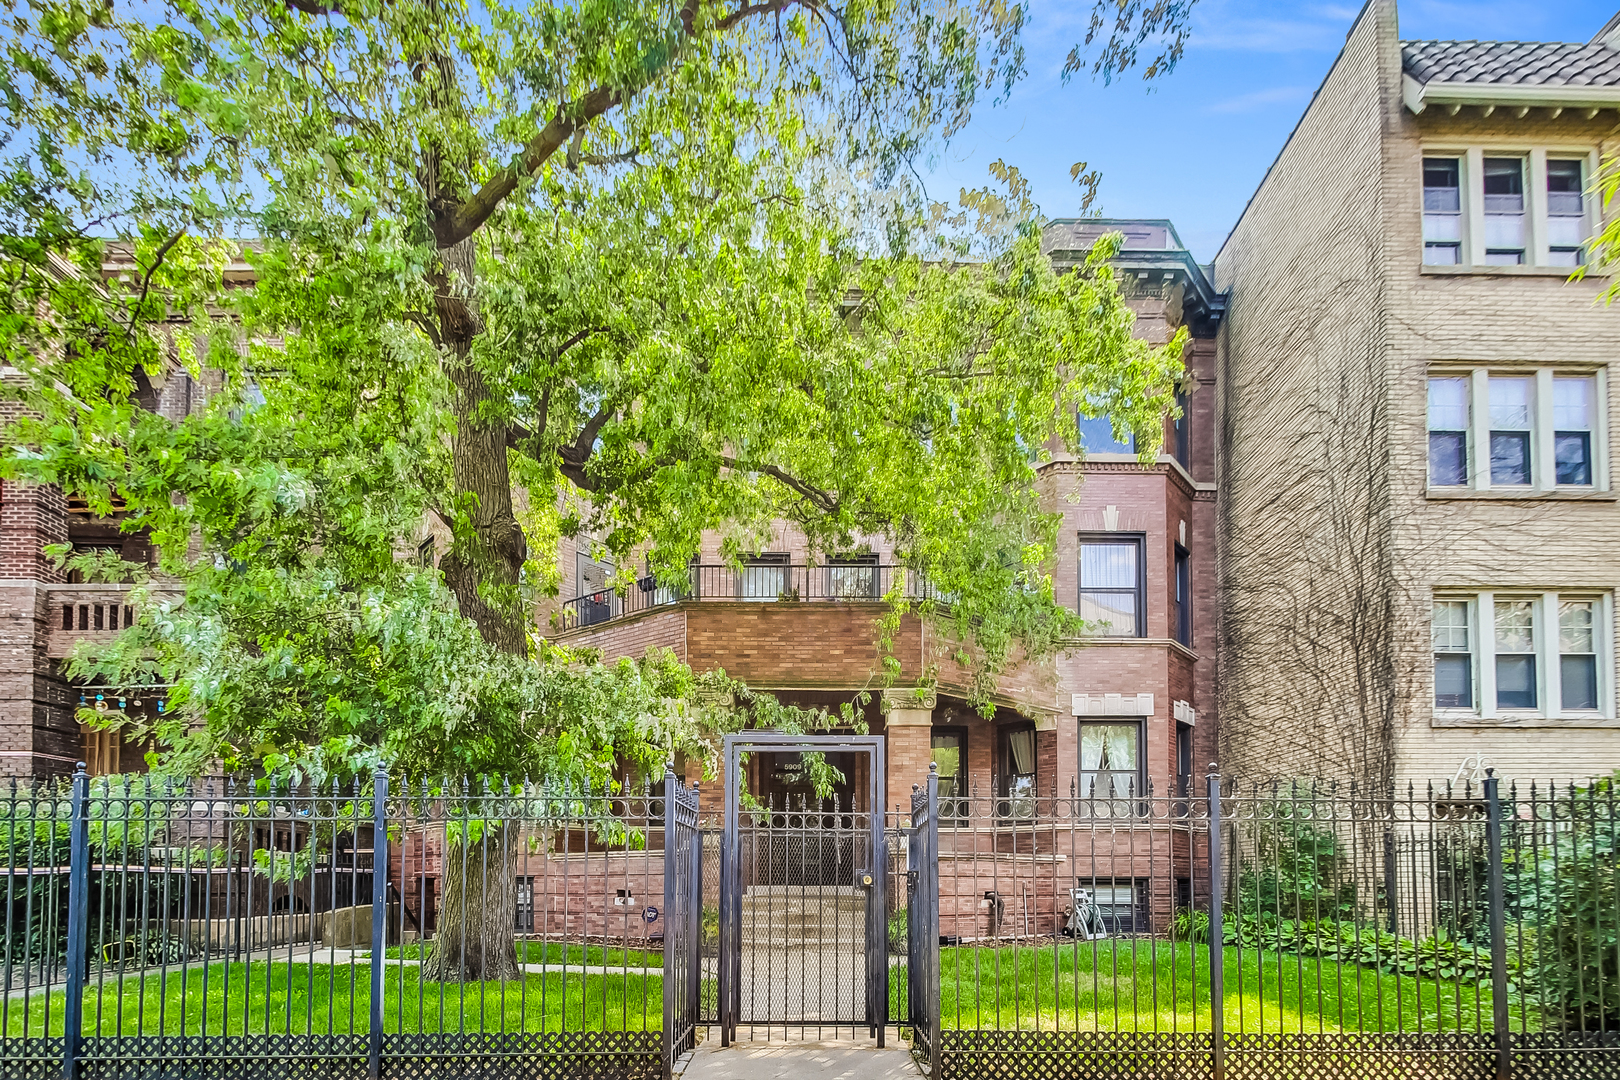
[1512,654]
[1515,432]
[1505,234]
[1183,611]
[1111,586]
[1566,211]
[1514,207]
[1442,211]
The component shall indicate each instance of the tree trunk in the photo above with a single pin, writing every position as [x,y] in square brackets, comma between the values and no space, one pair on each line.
[476,936]
[484,567]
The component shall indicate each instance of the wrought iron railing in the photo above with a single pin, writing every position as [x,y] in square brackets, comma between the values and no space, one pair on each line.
[753,582]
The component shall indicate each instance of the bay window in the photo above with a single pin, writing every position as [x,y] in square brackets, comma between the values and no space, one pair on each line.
[1516,654]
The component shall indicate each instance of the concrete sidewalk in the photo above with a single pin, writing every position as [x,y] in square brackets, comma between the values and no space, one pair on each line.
[800,1061]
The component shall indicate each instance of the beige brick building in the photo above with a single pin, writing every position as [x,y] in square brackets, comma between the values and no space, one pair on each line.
[1419,536]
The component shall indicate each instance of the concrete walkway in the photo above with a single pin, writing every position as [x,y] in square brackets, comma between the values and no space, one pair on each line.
[800,1061]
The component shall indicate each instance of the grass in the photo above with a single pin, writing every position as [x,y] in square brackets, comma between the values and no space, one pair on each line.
[1111,986]
[554,954]
[328,999]
[1117,985]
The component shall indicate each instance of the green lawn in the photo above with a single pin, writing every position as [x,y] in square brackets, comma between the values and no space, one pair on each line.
[322,998]
[555,953]
[1111,986]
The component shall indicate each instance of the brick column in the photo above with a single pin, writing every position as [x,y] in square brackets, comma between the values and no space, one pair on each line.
[1046,759]
[908,716]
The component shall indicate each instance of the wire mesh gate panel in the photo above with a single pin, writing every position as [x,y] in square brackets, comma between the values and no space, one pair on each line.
[803,944]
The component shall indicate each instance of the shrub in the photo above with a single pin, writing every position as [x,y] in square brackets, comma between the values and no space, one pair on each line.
[1434,957]
[1190,924]
[1568,886]
[1298,867]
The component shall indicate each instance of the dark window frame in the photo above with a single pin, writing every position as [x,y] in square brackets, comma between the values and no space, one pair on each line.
[1008,805]
[953,815]
[1182,432]
[1140,541]
[1140,771]
[1183,628]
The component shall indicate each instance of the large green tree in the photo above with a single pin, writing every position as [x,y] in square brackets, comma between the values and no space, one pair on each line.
[631,269]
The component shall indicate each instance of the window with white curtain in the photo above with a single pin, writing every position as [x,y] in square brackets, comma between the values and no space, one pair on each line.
[1111,765]
[1111,586]
[1514,653]
[1017,767]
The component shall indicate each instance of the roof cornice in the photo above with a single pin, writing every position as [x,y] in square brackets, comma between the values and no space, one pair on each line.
[1418,96]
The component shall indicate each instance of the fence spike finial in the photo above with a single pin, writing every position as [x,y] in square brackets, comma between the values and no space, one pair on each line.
[933,766]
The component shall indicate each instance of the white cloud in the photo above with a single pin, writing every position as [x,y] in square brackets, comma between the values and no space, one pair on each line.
[1260,99]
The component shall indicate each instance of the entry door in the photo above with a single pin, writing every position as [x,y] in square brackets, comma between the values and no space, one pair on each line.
[803,933]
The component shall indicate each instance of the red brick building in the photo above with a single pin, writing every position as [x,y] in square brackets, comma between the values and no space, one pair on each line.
[1128,710]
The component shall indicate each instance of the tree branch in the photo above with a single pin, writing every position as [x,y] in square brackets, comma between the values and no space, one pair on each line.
[466,219]
[824,501]
[470,215]
[576,454]
[146,282]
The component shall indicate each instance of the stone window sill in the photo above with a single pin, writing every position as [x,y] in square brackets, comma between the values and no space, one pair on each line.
[1443,494]
[1502,271]
[1573,721]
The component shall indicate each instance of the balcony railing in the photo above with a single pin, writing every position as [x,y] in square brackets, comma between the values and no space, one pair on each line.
[759,582]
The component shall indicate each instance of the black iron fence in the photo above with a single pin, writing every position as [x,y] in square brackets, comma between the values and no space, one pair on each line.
[206,929]
[1299,930]
[758,581]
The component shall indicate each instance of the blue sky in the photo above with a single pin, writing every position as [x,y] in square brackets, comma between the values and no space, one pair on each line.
[1194,146]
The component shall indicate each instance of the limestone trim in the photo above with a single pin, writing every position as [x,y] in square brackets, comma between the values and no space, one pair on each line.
[1112,704]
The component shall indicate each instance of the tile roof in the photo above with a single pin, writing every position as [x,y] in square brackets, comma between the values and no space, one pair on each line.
[1511,63]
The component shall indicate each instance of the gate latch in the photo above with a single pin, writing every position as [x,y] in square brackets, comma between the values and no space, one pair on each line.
[863,878]
[911,881]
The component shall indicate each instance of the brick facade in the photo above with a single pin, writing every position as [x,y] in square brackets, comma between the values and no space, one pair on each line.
[1333,546]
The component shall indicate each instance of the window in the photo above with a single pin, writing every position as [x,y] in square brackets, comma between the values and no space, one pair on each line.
[1531,429]
[101,750]
[853,578]
[1510,411]
[425,553]
[1442,211]
[1572,430]
[596,597]
[1110,762]
[1517,208]
[1097,436]
[1453,658]
[949,754]
[1566,211]
[764,577]
[1111,586]
[1181,430]
[1184,759]
[1504,211]
[1183,623]
[1017,769]
[1517,653]
[1448,432]
[524,908]
[1577,654]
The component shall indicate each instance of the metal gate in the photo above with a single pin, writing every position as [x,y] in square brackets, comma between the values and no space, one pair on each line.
[683,910]
[922,922]
[803,947]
